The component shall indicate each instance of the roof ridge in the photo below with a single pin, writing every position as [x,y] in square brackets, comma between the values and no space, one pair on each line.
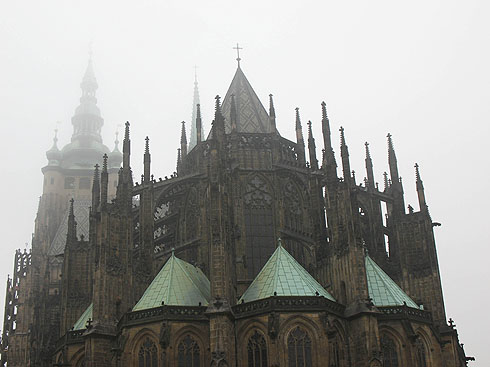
[190,277]
[389,284]
[170,287]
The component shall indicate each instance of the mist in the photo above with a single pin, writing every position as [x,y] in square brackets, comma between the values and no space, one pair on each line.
[417,70]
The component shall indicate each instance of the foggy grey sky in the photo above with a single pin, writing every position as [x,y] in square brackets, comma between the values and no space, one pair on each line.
[418,69]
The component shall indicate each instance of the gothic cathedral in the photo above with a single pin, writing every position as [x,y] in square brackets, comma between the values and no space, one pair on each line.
[253,253]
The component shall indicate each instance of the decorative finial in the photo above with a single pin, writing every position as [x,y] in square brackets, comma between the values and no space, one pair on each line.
[417,172]
[147,145]
[368,154]
[298,119]
[324,110]
[279,242]
[126,131]
[238,48]
[342,136]
[104,163]
[217,106]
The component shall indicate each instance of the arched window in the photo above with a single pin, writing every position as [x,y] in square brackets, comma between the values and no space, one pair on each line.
[188,354]
[257,351]
[420,354]
[147,355]
[390,355]
[299,348]
[259,225]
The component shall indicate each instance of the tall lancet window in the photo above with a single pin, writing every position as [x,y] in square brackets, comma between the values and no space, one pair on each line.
[147,355]
[390,355]
[299,349]
[420,354]
[257,351]
[259,225]
[188,353]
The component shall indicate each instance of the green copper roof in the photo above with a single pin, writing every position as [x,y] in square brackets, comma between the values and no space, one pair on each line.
[82,321]
[285,276]
[382,289]
[177,284]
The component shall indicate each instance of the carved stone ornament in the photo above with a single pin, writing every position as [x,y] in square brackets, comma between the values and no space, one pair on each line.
[273,325]
[257,194]
[164,339]
[218,359]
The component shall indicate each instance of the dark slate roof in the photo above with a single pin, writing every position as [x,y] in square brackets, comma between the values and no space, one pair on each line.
[251,114]
[81,211]
[382,289]
[282,275]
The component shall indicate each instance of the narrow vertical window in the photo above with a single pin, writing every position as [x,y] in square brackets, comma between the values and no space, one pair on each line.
[420,354]
[390,355]
[189,353]
[299,349]
[257,351]
[147,355]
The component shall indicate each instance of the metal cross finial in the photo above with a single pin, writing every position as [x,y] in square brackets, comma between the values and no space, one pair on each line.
[238,48]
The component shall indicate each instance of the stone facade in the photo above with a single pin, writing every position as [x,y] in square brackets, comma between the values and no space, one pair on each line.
[232,196]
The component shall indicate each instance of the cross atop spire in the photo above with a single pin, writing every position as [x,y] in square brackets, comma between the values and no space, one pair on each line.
[238,48]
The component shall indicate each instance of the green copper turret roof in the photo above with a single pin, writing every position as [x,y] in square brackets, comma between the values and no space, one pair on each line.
[382,289]
[177,284]
[284,276]
[86,315]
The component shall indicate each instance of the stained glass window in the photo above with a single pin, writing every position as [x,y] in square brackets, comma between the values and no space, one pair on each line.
[257,351]
[299,348]
[390,355]
[147,355]
[189,353]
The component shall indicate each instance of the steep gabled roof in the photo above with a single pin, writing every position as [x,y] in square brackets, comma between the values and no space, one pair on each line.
[382,289]
[82,212]
[251,114]
[177,284]
[86,315]
[282,275]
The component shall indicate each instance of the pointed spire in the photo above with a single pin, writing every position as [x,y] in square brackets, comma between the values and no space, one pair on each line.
[87,120]
[344,153]
[312,148]
[385,181]
[233,114]
[395,178]
[54,154]
[146,161]
[96,189]
[219,121]
[104,183]
[198,124]
[126,147]
[195,139]
[72,224]
[329,163]
[369,168]
[299,139]
[183,141]
[179,160]
[420,189]
[272,114]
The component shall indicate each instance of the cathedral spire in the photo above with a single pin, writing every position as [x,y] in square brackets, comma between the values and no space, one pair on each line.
[179,160]
[87,120]
[312,148]
[219,121]
[104,183]
[198,122]
[369,168]
[272,114]
[195,137]
[344,153]
[329,163]
[395,178]
[146,161]
[126,147]
[299,139]
[420,189]
[96,189]
[72,224]
[183,141]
